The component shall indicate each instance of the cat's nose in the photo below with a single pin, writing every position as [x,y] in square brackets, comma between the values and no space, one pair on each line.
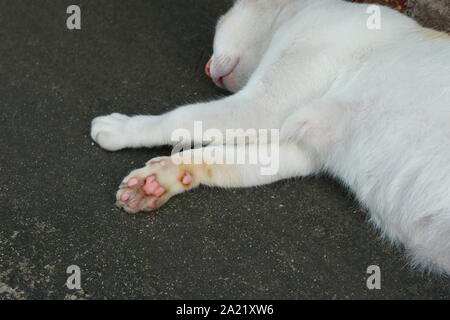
[208,68]
[220,67]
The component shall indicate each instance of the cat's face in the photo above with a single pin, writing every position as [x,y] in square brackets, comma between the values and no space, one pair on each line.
[242,36]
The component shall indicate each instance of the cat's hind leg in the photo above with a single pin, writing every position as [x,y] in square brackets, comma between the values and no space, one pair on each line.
[148,188]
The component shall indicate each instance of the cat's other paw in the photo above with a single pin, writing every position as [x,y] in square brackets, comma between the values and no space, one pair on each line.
[148,188]
[111,131]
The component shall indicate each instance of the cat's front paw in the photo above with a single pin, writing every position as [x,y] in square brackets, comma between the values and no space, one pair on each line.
[111,131]
[148,188]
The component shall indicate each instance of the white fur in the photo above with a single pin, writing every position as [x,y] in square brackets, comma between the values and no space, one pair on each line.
[370,107]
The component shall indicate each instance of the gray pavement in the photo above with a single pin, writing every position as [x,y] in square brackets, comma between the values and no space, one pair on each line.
[296,239]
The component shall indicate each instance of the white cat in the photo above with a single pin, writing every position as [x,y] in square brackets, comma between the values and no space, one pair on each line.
[370,107]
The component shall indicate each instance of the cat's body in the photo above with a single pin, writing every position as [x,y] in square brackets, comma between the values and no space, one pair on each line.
[371,107]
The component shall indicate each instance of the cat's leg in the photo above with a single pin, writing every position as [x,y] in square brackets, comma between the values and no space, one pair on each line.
[240,111]
[263,103]
[148,188]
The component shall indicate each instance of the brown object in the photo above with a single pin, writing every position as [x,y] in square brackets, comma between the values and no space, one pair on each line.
[399,5]
[431,13]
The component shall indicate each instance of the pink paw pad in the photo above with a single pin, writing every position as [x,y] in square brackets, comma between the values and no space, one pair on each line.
[133,204]
[125,197]
[133,182]
[153,205]
[153,188]
[187,179]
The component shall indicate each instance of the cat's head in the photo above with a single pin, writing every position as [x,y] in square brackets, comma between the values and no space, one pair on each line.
[242,36]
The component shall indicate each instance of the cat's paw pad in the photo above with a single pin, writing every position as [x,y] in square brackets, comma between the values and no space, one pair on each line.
[149,188]
[110,131]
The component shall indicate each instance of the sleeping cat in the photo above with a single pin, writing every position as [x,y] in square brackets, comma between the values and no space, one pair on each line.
[368,106]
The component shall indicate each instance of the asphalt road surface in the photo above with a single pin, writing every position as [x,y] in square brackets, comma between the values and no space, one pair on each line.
[296,239]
